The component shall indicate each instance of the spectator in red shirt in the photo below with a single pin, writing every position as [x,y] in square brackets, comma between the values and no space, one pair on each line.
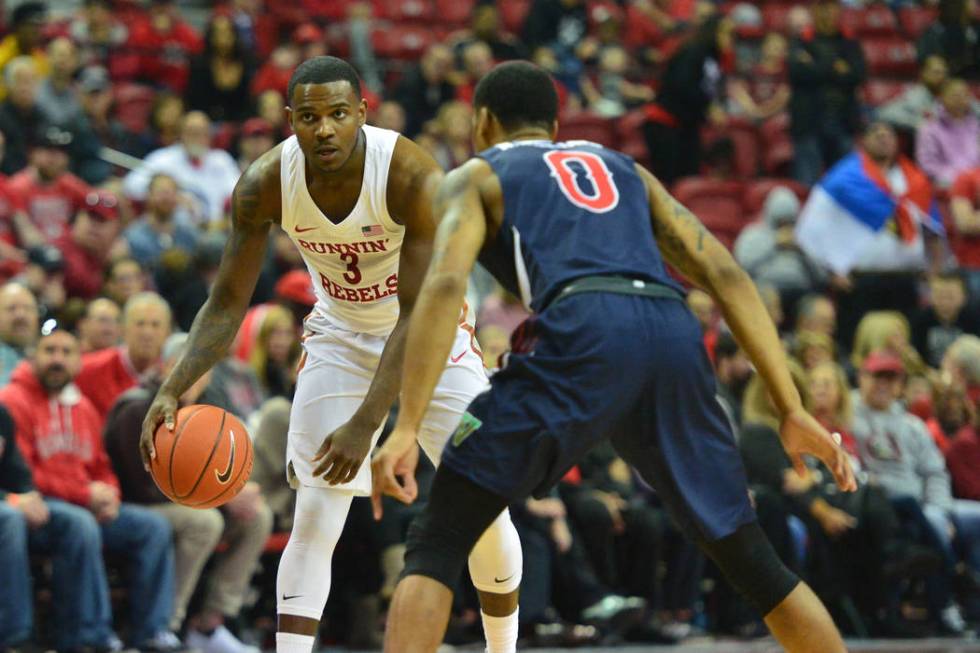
[306,42]
[165,44]
[48,192]
[89,244]
[59,433]
[477,60]
[965,241]
[257,138]
[98,34]
[108,373]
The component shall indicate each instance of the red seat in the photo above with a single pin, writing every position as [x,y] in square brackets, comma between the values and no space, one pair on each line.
[629,135]
[587,127]
[777,147]
[915,20]
[717,203]
[132,105]
[881,91]
[513,13]
[406,11]
[890,57]
[775,16]
[401,41]
[757,191]
[877,20]
[454,12]
[745,138]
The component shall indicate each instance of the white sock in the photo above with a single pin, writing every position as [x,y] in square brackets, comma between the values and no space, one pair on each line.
[501,633]
[293,643]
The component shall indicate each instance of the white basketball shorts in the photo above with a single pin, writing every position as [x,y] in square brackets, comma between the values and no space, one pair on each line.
[334,379]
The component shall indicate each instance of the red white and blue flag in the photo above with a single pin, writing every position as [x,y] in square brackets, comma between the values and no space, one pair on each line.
[372,231]
[853,203]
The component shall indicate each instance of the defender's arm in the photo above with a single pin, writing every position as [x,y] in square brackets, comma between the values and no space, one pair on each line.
[687,245]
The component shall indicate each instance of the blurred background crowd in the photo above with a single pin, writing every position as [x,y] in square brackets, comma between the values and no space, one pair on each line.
[125,124]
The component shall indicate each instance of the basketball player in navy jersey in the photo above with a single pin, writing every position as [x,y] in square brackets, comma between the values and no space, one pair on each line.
[582,234]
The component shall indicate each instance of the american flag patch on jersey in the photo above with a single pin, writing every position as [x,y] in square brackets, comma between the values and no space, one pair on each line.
[373,230]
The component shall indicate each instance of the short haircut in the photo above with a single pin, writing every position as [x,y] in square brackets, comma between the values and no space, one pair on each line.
[157,176]
[145,298]
[951,274]
[518,93]
[323,70]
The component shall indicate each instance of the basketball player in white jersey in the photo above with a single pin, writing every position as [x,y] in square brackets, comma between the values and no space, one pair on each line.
[357,201]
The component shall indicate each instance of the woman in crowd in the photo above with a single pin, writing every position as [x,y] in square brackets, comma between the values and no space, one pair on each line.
[220,77]
[276,352]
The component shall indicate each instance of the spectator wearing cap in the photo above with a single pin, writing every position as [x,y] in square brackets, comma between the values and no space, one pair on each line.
[769,253]
[59,433]
[826,68]
[209,175]
[18,326]
[244,523]
[96,127]
[257,137]
[57,95]
[48,192]
[89,243]
[24,39]
[20,115]
[108,373]
[220,76]
[165,44]
[901,457]
[949,143]
[44,276]
[425,88]
[100,327]
[164,224]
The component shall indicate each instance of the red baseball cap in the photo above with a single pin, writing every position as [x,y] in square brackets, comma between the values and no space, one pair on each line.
[883,361]
[296,286]
[307,33]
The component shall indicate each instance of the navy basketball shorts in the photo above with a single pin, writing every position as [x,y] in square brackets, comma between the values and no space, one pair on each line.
[630,368]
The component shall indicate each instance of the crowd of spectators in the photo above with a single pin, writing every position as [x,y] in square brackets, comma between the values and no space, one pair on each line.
[125,124]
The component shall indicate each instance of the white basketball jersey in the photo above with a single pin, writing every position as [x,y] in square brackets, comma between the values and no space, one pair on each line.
[354,264]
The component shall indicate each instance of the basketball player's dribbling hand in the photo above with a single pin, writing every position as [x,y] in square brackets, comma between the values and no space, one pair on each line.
[161,411]
[342,452]
[397,458]
[802,434]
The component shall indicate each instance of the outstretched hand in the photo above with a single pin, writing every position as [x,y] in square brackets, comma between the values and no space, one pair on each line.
[397,458]
[802,434]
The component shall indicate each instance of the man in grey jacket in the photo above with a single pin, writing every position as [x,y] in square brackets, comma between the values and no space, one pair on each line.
[901,457]
[915,105]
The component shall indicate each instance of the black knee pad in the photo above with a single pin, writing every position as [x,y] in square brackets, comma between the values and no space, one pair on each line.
[441,538]
[751,565]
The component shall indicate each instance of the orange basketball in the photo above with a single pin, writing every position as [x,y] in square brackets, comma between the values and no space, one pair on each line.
[205,461]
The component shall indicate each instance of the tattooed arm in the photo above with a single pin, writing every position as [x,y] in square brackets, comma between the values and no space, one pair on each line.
[254,204]
[687,245]
[462,219]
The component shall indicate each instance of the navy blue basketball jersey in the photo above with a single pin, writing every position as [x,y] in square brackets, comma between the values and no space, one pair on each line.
[572,209]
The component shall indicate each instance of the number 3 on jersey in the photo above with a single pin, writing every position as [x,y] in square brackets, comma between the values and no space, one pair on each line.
[353,274]
[571,168]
